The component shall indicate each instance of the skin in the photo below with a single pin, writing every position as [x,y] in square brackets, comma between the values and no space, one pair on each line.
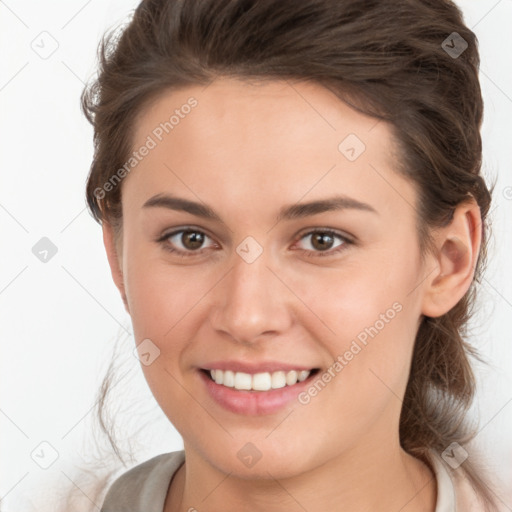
[247,150]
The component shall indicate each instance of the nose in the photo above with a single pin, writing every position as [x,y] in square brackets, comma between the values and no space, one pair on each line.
[251,302]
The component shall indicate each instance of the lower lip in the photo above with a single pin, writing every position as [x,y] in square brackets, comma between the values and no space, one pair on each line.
[253,403]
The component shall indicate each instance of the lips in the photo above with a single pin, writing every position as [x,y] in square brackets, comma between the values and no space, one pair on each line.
[255,392]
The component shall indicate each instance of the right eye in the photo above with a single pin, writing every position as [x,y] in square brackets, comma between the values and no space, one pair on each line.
[185,242]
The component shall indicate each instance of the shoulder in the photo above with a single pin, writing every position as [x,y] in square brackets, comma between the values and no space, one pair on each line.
[143,488]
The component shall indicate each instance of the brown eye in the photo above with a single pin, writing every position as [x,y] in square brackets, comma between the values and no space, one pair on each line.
[192,239]
[323,242]
[186,241]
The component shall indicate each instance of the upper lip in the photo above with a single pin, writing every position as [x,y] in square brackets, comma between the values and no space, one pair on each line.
[254,367]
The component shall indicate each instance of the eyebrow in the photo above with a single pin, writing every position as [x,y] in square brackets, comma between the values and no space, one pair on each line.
[295,211]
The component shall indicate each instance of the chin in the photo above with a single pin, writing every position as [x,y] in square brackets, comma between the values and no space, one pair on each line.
[251,463]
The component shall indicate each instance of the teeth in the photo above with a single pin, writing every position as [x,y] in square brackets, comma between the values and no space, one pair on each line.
[303,375]
[242,380]
[291,378]
[279,380]
[229,379]
[258,381]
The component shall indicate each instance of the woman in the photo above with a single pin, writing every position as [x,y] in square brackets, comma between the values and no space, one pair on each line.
[294,215]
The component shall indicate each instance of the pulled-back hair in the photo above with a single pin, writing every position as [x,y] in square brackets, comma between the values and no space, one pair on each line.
[389,60]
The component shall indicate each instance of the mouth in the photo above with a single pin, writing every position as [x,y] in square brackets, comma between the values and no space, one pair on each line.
[258,382]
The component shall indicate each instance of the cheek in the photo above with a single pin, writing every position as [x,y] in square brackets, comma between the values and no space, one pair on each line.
[164,308]
[366,319]
[353,296]
[161,295]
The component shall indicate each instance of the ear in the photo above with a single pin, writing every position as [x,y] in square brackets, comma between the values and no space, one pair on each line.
[114,254]
[458,247]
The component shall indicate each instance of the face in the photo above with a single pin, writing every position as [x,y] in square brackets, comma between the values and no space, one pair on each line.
[266,230]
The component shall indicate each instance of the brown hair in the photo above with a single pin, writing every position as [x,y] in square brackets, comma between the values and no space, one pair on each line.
[385,59]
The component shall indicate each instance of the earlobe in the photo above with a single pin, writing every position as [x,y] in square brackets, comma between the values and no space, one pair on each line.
[458,249]
[114,257]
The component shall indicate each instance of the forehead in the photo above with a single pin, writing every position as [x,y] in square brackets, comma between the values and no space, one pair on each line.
[264,141]
[297,112]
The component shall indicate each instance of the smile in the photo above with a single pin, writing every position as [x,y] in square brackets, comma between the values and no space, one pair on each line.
[259,381]
[252,393]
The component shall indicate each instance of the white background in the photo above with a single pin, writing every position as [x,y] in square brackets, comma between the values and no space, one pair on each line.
[60,320]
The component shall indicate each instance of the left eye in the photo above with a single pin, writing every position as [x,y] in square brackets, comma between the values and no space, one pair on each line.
[323,241]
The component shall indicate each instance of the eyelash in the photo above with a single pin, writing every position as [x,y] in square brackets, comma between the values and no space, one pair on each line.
[310,254]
